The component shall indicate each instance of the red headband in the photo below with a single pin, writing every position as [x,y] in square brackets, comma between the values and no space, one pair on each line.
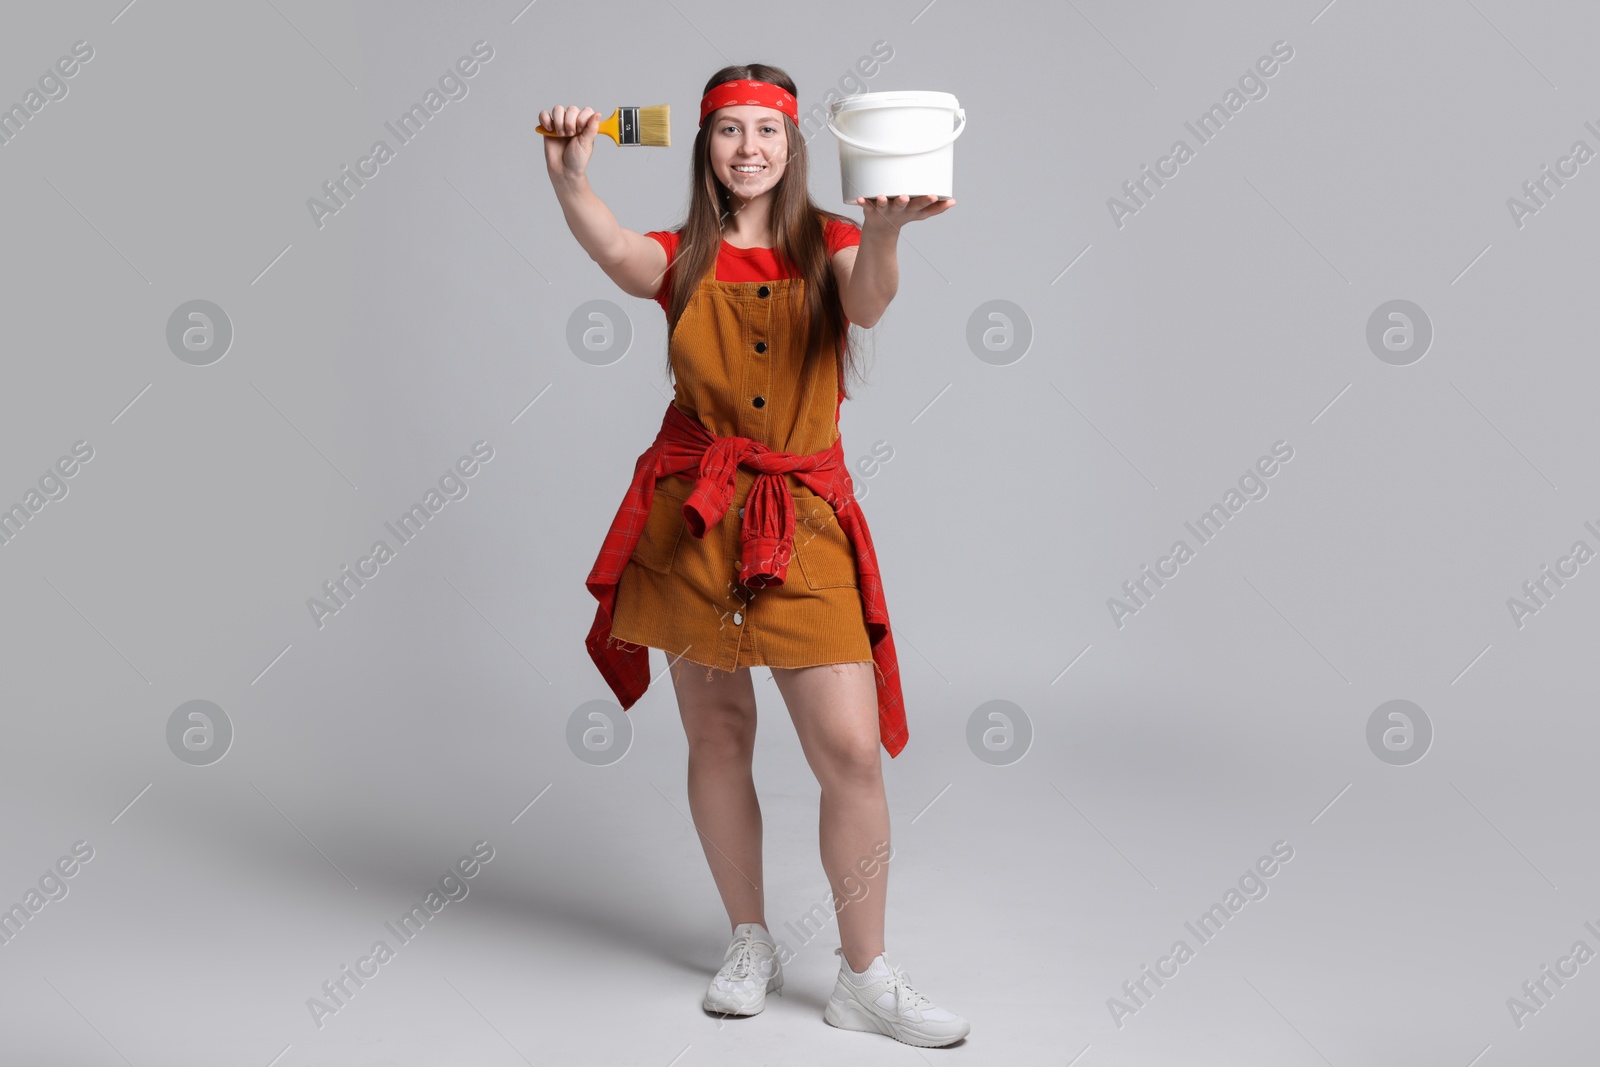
[748,91]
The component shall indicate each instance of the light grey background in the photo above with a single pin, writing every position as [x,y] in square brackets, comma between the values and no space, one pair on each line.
[1168,354]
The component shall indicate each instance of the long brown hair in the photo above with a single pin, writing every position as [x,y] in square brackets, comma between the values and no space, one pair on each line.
[797,225]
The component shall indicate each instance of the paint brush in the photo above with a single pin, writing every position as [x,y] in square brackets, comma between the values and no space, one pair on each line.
[631,126]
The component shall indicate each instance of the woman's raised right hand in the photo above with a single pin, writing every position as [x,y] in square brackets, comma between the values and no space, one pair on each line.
[567,154]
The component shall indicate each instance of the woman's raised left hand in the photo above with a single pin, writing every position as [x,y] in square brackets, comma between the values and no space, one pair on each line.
[892,212]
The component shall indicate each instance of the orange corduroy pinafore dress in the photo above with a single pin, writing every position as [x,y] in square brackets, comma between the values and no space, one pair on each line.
[737,357]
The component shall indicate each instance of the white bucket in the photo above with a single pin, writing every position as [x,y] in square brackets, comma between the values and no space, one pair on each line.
[896,143]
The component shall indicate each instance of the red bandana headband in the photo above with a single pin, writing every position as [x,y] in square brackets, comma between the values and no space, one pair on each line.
[748,91]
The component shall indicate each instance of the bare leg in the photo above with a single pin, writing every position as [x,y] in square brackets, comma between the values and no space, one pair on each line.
[719,719]
[835,713]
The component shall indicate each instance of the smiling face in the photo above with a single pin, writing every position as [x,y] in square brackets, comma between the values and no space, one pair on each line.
[748,148]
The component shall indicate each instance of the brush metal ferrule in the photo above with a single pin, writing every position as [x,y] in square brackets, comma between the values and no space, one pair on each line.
[628,119]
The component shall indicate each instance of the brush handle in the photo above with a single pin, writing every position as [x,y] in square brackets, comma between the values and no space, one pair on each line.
[611,127]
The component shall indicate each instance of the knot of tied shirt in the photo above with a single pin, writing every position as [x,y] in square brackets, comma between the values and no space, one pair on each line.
[766,534]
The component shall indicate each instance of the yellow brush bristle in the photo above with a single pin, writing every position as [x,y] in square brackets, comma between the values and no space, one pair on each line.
[654,129]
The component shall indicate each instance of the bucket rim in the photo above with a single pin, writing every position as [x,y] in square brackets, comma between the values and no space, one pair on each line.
[895,98]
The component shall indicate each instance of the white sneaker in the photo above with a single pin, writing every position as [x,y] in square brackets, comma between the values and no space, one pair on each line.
[881,1000]
[749,972]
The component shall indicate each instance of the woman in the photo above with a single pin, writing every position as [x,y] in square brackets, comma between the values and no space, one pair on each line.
[759,286]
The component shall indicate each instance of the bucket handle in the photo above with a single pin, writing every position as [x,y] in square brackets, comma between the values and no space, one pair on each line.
[853,143]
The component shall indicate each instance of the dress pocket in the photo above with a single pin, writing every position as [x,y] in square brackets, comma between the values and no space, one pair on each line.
[821,546]
[663,528]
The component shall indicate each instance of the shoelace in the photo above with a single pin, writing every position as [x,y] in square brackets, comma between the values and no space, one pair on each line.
[905,995]
[744,958]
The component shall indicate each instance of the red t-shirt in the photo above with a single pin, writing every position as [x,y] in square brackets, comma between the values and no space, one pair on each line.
[750,264]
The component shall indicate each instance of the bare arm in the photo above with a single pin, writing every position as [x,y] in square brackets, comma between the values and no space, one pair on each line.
[869,275]
[629,258]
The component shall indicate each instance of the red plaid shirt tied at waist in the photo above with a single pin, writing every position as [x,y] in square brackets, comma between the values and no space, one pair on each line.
[766,539]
